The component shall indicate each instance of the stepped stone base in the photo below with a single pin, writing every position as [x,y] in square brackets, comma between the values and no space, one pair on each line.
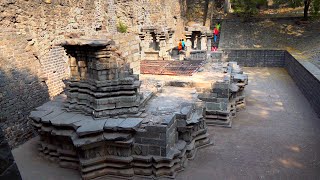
[155,143]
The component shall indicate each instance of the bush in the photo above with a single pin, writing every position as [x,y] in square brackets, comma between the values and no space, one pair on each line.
[247,8]
[315,7]
[122,27]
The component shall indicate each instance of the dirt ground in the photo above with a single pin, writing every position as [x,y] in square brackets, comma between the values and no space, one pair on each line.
[276,137]
[301,38]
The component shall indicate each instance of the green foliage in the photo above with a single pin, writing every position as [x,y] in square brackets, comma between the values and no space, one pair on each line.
[247,8]
[122,27]
[315,7]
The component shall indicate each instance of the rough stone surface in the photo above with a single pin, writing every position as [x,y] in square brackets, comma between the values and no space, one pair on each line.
[8,167]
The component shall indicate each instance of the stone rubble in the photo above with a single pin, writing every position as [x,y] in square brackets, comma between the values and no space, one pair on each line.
[226,97]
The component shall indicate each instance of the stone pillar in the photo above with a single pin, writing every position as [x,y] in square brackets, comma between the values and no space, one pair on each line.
[170,42]
[203,42]
[142,45]
[188,43]
[8,168]
[208,44]
[163,45]
[112,24]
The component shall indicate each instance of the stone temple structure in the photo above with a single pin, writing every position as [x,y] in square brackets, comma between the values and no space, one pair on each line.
[198,38]
[156,42]
[226,97]
[104,125]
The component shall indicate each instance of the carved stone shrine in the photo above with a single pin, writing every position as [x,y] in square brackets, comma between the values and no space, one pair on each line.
[156,42]
[198,38]
[105,126]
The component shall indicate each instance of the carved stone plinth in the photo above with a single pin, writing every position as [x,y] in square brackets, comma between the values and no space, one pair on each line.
[104,125]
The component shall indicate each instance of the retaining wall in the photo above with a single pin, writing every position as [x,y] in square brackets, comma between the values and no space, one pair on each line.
[307,78]
[255,58]
[305,74]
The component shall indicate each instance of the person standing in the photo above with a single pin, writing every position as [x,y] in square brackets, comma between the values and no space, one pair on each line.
[183,45]
[180,46]
[216,33]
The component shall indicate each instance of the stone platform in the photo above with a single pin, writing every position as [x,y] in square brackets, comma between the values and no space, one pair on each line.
[157,142]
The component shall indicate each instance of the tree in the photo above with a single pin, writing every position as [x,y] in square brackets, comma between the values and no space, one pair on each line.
[227,7]
[306,3]
[247,8]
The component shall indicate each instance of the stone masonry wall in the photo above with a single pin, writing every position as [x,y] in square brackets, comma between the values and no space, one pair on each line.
[129,45]
[255,58]
[22,87]
[31,66]
[307,78]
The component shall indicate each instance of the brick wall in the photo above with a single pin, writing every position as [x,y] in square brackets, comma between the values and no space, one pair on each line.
[55,67]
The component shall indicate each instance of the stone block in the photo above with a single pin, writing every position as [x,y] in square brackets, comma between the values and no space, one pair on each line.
[155,150]
[155,142]
[91,126]
[130,123]
[113,123]
[157,128]
[146,134]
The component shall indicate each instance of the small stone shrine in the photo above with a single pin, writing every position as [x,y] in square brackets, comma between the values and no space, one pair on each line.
[156,42]
[226,97]
[198,38]
[104,125]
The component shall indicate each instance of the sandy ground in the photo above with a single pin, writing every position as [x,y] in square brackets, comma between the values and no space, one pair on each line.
[276,137]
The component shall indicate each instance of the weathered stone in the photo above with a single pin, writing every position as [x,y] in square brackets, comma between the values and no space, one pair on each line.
[226,98]
[130,123]
[8,168]
[91,127]
[99,126]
